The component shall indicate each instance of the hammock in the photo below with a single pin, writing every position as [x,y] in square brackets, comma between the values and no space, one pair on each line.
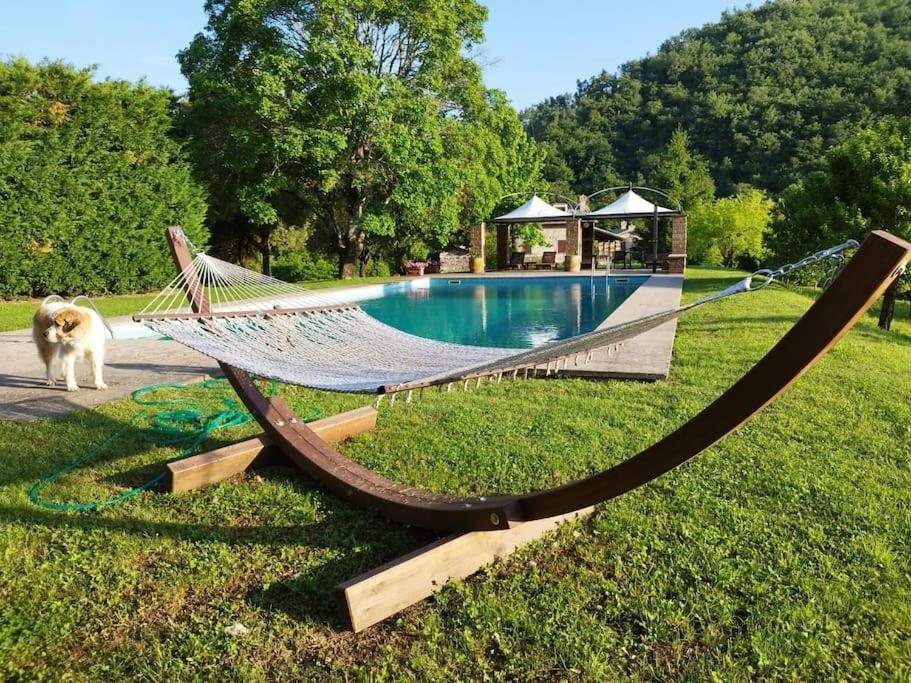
[281,331]
[226,310]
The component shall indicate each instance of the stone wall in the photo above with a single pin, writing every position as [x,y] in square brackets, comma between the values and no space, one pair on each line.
[476,239]
[454,263]
[676,260]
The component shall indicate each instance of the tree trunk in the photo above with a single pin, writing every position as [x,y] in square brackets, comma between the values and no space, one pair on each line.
[349,257]
[887,312]
[265,249]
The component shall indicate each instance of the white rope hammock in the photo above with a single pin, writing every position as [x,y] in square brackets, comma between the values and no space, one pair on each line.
[284,332]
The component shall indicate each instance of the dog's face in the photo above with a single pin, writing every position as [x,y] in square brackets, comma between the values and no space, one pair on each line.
[67,325]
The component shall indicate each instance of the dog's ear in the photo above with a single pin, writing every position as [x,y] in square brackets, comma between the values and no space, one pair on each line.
[68,320]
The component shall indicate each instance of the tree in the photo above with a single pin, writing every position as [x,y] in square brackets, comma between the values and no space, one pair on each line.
[90,175]
[368,115]
[866,186]
[681,173]
[731,229]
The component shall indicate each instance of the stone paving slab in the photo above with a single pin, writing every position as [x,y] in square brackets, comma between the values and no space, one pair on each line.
[129,365]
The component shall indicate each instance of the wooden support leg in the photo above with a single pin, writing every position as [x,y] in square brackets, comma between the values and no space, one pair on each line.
[378,594]
[222,463]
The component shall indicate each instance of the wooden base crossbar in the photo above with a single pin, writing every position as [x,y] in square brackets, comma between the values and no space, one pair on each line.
[376,595]
[223,463]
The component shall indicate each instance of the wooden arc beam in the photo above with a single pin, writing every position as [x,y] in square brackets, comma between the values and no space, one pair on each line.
[861,282]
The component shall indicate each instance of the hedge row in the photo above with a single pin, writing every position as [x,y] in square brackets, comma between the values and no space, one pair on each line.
[89,178]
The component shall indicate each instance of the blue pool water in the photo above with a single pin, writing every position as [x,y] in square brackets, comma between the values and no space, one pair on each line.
[520,312]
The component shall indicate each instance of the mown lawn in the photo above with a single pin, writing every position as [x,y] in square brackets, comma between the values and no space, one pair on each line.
[783,552]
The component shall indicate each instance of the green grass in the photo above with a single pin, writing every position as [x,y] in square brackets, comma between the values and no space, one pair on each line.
[784,552]
[17,315]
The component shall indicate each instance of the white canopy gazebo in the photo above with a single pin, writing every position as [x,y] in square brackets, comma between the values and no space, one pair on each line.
[580,225]
[631,205]
[535,210]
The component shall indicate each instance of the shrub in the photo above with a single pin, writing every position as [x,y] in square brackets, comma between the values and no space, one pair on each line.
[730,231]
[378,269]
[303,266]
[89,179]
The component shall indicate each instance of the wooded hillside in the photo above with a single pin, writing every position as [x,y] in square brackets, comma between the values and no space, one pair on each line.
[763,94]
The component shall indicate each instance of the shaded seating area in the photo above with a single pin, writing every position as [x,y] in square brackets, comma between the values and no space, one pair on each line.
[581,241]
[632,206]
[535,210]
[517,260]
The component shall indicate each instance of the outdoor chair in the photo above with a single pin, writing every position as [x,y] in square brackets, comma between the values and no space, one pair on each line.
[548,260]
[517,262]
[662,260]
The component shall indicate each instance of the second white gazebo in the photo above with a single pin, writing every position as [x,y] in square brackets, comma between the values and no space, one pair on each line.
[631,205]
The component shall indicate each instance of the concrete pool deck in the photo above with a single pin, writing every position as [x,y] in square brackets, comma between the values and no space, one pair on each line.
[131,364]
[646,357]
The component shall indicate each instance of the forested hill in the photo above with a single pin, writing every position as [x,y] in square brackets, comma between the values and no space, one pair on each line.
[763,94]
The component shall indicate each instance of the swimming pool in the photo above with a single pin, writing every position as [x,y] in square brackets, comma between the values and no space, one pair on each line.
[516,312]
[512,312]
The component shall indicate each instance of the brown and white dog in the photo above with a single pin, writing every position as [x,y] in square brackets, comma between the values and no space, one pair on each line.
[65,333]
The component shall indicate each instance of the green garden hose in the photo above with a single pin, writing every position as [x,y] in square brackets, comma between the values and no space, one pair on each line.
[185,424]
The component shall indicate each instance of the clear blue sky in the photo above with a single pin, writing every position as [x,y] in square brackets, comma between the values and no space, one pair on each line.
[534,48]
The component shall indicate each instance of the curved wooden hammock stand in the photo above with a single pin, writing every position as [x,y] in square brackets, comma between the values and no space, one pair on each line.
[510,520]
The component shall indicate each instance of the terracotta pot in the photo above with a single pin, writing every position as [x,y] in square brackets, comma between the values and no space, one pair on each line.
[573,263]
[477,264]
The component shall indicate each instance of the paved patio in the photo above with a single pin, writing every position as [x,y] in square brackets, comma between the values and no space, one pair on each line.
[131,364]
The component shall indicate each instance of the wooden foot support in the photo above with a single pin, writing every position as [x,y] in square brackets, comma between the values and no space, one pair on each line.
[378,594]
[222,463]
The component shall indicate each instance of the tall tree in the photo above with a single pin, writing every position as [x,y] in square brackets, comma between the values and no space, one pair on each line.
[681,173]
[368,114]
[866,186]
[730,230]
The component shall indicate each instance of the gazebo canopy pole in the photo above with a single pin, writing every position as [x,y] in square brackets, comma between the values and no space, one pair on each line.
[655,240]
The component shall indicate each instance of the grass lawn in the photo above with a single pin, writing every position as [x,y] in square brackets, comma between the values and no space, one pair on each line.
[784,552]
[17,315]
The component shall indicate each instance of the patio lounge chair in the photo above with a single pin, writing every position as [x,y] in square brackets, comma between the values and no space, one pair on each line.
[517,262]
[548,260]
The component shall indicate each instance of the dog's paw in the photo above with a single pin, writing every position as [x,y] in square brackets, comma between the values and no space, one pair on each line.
[100,385]
[51,382]
[72,387]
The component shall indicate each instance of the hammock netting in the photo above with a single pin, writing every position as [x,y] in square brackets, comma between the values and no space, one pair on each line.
[276,330]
